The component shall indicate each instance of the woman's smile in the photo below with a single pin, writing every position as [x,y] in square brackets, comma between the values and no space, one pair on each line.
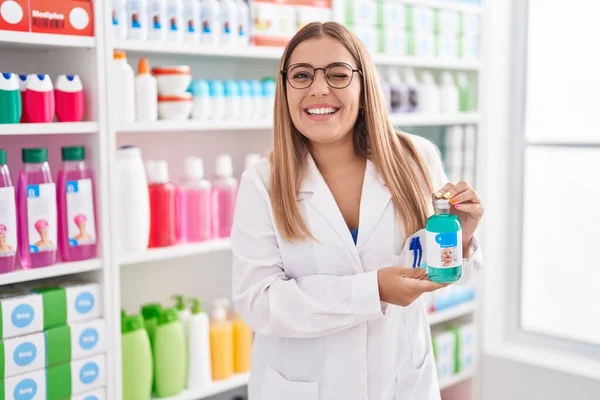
[320,112]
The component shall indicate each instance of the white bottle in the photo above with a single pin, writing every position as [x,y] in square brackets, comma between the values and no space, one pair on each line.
[245,113]
[146,93]
[191,21]
[174,20]
[229,26]
[217,100]
[257,101]
[119,19]
[398,92]
[202,101]
[210,15]
[414,95]
[157,20]
[182,310]
[243,31]
[137,19]
[250,160]
[430,95]
[199,368]
[124,89]
[232,100]
[134,201]
[450,101]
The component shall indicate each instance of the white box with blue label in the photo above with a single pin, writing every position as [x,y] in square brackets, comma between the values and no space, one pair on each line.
[96,394]
[421,19]
[28,386]
[467,347]
[444,347]
[21,312]
[22,354]
[76,341]
[76,377]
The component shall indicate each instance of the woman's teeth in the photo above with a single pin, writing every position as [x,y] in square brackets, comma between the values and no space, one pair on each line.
[321,111]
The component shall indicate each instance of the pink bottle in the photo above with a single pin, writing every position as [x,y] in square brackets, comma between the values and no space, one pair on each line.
[162,205]
[36,199]
[77,233]
[224,193]
[39,98]
[193,204]
[68,96]
[23,86]
[8,219]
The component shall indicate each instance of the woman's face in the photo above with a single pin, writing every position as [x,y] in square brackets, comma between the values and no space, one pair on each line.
[44,233]
[306,105]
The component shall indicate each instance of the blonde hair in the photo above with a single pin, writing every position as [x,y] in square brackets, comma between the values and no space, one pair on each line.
[393,153]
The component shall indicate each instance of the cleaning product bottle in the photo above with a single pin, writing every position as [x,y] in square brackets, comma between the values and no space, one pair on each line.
[386,90]
[151,314]
[194,211]
[221,341]
[136,356]
[217,100]
[77,236]
[191,19]
[202,100]
[243,20]
[10,99]
[467,93]
[210,14]
[124,88]
[450,97]
[224,194]
[414,96]
[232,100]
[174,19]
[137,19]
[257,100]
[245,102]
[23,78]
[119,19]
[157,13]
[69,98]
[39,98]
[170,355]
[229,25]
[183,312]
[8,219]
[36,198]
[146,93]
[242,345]
[268,93]
[443,251]
[134,202]
[162,206]
[430,95]
[199,373]
[398,92]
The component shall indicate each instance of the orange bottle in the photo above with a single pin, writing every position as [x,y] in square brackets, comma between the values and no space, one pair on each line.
[221,342]
[242,345]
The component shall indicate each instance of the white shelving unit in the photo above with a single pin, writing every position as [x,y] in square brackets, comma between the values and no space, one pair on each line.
[62,269]
[53,128]
[194,126]
[178,251]
[216,388]
[27,39]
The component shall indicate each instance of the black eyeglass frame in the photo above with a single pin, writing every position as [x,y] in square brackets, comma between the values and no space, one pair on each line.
[283,73]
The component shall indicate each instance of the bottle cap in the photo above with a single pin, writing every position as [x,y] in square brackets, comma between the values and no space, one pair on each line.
[194,168]
[120,55]
[215,88]
[150,311]
[224,166]
[143,66]
[199,88]
[221,305]
[2,157]
[128,152]
[34,156]
[255,88]
[150,166]
[132,323]
[244,88]
[447,79]
[69,84]
[161,172]
[250,160]
[180,306]
[167,316]
[196,306]
[232,89]
[427,78]
[441,204]
[73,153]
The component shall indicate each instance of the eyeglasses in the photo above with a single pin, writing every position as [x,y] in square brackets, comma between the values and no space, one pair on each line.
[338,75]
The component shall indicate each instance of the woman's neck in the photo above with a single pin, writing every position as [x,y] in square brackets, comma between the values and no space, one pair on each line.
[331,156]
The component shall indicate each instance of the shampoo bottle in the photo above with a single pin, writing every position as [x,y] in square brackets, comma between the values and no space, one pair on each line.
[430,95]
[414,95]
[221,341]
[210,15]
[119,19]
[242,345]
[191,19]
[23,78]
[174,19]
[8,219]
[224,194]
[124,88]
[243,20]
[69,98]
[199,373]
[467,93]
[10,99]
[229,25]
[450,98]
[399,93]
[156,20]
[194,208]
[183,312]
[170,355]
[162,206]
[136,359]
[443,251]
[146,93]
[137,19]
[39,98]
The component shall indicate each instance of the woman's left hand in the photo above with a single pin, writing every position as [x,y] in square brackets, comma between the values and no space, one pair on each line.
[466,206]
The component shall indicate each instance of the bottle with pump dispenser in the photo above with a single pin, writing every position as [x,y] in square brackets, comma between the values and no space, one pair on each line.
[183,312]
[162,205]
[77,235]
[124,88]
[36,198]
[199,373]
[443,251]
[191,21]
[170,354]
[146,93]
[430,95]
[221,341]
[194,204]
[10,99]
[174,20]
[450,97]
[224,195]
[8,219]
[210,15]
[136,359]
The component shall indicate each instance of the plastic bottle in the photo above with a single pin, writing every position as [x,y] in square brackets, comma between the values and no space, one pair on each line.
[136,359]
[257,100]
[170,355]
[174,20]
[77,235]
[69,98]
[157,14]
[10,99]
[134,202]
[39,98]
[194,208]
[137,19]
[450,97]
[414,95]
[242,345]
[119,19]
[146,93]
[443,251]
[199,372]
[210,14]
[386,90]
[191,21]
[430,95]
[467,93]
[202,100]
[23,78]
[232,100]
[398,92]
[8,219]
[36,198]
[162,206]
[243,21]
[221,341]
[250,160]
[229,25]
[224,194]
[268,92]
[124,88]
[184,313]
[217,100]
[245,102]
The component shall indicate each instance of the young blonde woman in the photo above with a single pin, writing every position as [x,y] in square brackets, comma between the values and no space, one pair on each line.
[321,265]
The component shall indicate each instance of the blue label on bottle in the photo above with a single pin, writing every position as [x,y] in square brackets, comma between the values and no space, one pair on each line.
[89,373]
[22,315]
[33,191]
[88,339]
[25,354]
[72,186]
[91,397]
[447,239]
[25,390]
[84,303]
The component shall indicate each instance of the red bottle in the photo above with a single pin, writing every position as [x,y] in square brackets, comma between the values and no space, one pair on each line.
[162,205]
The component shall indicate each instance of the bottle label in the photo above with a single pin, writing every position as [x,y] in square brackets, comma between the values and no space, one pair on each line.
[8,222]
[136,15]
[190,23]
[443,250]
[206,16]
[155,16]
[81,221]
[173,14]
[41,217]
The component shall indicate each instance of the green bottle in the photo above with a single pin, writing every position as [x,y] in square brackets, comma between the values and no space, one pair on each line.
[137,359]
[170,358]
[10,99]
[151,314]
[443,251]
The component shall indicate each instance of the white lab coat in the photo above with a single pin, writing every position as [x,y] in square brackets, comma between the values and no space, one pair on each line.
[321,332]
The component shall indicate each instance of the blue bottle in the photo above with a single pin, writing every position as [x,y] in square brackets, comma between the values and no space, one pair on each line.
[443,253]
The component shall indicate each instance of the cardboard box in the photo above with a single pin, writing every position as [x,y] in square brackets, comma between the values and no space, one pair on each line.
[448,22]
[393,42]
[30,386]
[421,44]
[65,17]
[308,14]
[14,15]
[22,354]
[447,46]
[368,35]
[392,15]
[361,12]
[73,342]
[467,347]
[444,345]
[468,48]
[76,377]
[273,24]
[97,394]
[421,19]
[21,312]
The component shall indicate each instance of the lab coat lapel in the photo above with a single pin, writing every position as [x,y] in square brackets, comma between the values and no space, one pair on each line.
[374,200]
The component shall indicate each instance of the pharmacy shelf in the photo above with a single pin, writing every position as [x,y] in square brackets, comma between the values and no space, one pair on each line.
[427,63]
[452,313]
[50,128]
[10,39]
[215,388]
[62,269]
[435,120]
[178,251]
[456,379]
[454,5]
[194,126]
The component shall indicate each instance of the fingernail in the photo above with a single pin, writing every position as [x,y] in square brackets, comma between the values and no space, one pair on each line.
[453,201]
[438,194]
[447,195]
[457,206]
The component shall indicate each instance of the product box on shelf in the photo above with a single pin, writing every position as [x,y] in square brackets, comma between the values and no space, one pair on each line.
[72,342]
[467,347]
[393,42]
[22,354]
[308,14]
[470,24]
[448,22]
[421,44]
[14,15]
[96,394]
[444,348]
[421,19]
[21,312]
[361,12]
[392,15]
[31,385]
[65,17]
[468,48]
[447,46]
[76,377]
[368,35]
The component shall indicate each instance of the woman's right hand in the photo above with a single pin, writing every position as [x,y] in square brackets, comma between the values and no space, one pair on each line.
[403,285]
